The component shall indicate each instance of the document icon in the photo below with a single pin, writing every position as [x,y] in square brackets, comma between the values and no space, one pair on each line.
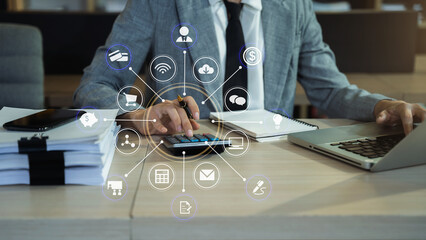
[207,175]
[184,207]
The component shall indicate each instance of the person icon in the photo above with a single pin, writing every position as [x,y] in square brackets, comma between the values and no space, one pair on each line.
[184,31]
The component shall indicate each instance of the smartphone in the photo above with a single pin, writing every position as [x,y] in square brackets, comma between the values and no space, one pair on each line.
[44,120]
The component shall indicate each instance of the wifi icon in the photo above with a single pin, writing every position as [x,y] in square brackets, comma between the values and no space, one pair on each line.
[162,67]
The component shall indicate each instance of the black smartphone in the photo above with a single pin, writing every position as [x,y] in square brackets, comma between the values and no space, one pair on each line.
[44,120]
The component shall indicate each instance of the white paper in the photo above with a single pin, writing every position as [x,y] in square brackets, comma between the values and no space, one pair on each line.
[260,124]
[71,136]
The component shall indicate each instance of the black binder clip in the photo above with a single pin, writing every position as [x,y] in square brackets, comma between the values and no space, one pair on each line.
[36,143]
[45,167]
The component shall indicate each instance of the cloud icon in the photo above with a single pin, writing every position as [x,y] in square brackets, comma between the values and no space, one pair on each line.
[206,69]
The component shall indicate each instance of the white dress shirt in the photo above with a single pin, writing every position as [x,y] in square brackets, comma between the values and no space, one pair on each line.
[251,23]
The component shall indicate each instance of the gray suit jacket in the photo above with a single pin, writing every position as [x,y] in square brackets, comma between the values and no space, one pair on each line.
[294,51]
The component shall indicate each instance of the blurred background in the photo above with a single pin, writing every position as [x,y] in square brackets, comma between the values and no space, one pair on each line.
[379,44]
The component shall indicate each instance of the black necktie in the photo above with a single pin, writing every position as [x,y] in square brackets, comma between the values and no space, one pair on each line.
[234,99]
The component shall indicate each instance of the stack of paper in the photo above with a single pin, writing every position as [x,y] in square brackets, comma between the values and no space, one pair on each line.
[88,152]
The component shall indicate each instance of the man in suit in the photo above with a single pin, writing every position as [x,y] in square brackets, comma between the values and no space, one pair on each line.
[285,31]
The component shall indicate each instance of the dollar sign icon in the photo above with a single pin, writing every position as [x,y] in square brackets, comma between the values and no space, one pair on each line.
[252,56]
[88,119]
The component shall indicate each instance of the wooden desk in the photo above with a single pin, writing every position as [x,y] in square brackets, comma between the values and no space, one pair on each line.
[69,212]
[313,197]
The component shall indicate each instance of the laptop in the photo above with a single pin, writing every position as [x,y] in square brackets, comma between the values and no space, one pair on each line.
[368,145]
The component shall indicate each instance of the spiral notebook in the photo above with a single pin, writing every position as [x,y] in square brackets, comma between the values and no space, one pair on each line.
[261,125]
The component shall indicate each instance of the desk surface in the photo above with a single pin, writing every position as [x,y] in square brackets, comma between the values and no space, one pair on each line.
[69,212]
[313,197]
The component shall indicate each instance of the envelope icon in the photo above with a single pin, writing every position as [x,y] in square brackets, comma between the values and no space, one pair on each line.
[207,175]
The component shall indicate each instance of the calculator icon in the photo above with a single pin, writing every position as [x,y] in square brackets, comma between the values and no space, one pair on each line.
[162,176]
[196,144]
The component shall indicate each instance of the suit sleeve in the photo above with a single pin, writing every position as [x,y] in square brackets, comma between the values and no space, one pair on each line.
[326,87]
[100,84]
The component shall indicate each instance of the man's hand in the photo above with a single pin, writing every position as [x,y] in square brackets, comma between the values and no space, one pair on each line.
[169,118]
[399,112]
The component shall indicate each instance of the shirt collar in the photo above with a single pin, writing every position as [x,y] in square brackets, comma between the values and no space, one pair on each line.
[256,4]
[213,2]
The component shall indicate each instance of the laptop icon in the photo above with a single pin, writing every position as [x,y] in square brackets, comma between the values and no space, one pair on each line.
[368,146]
[237,143]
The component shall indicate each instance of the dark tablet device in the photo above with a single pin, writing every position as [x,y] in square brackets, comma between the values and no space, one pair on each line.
[44,120]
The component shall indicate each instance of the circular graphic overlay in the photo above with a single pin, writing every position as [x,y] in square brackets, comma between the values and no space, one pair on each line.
[163,68]
[206,69]
[115,188]
[183,207]
[153,139]
[251,55]
[90,121]
[118,57]
[161,176]
[237,99]
[130,102]
[239,144]
[127,141]
[258,187]
[184,36]
[206,175]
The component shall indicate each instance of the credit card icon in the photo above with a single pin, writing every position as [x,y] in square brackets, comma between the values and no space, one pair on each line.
[118,56]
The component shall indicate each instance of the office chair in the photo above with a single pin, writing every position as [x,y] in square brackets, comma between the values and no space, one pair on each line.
[21,66]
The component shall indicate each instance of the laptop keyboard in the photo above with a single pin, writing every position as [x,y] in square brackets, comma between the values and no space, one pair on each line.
[371,147]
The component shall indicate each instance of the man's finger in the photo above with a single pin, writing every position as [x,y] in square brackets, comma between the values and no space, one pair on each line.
[407,120]
[175,118]
[419,113]
[384,117]
[194,124]
[193,107]
[158,125]
[186,124]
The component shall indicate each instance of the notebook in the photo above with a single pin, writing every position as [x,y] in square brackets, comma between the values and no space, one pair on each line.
[261,125]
